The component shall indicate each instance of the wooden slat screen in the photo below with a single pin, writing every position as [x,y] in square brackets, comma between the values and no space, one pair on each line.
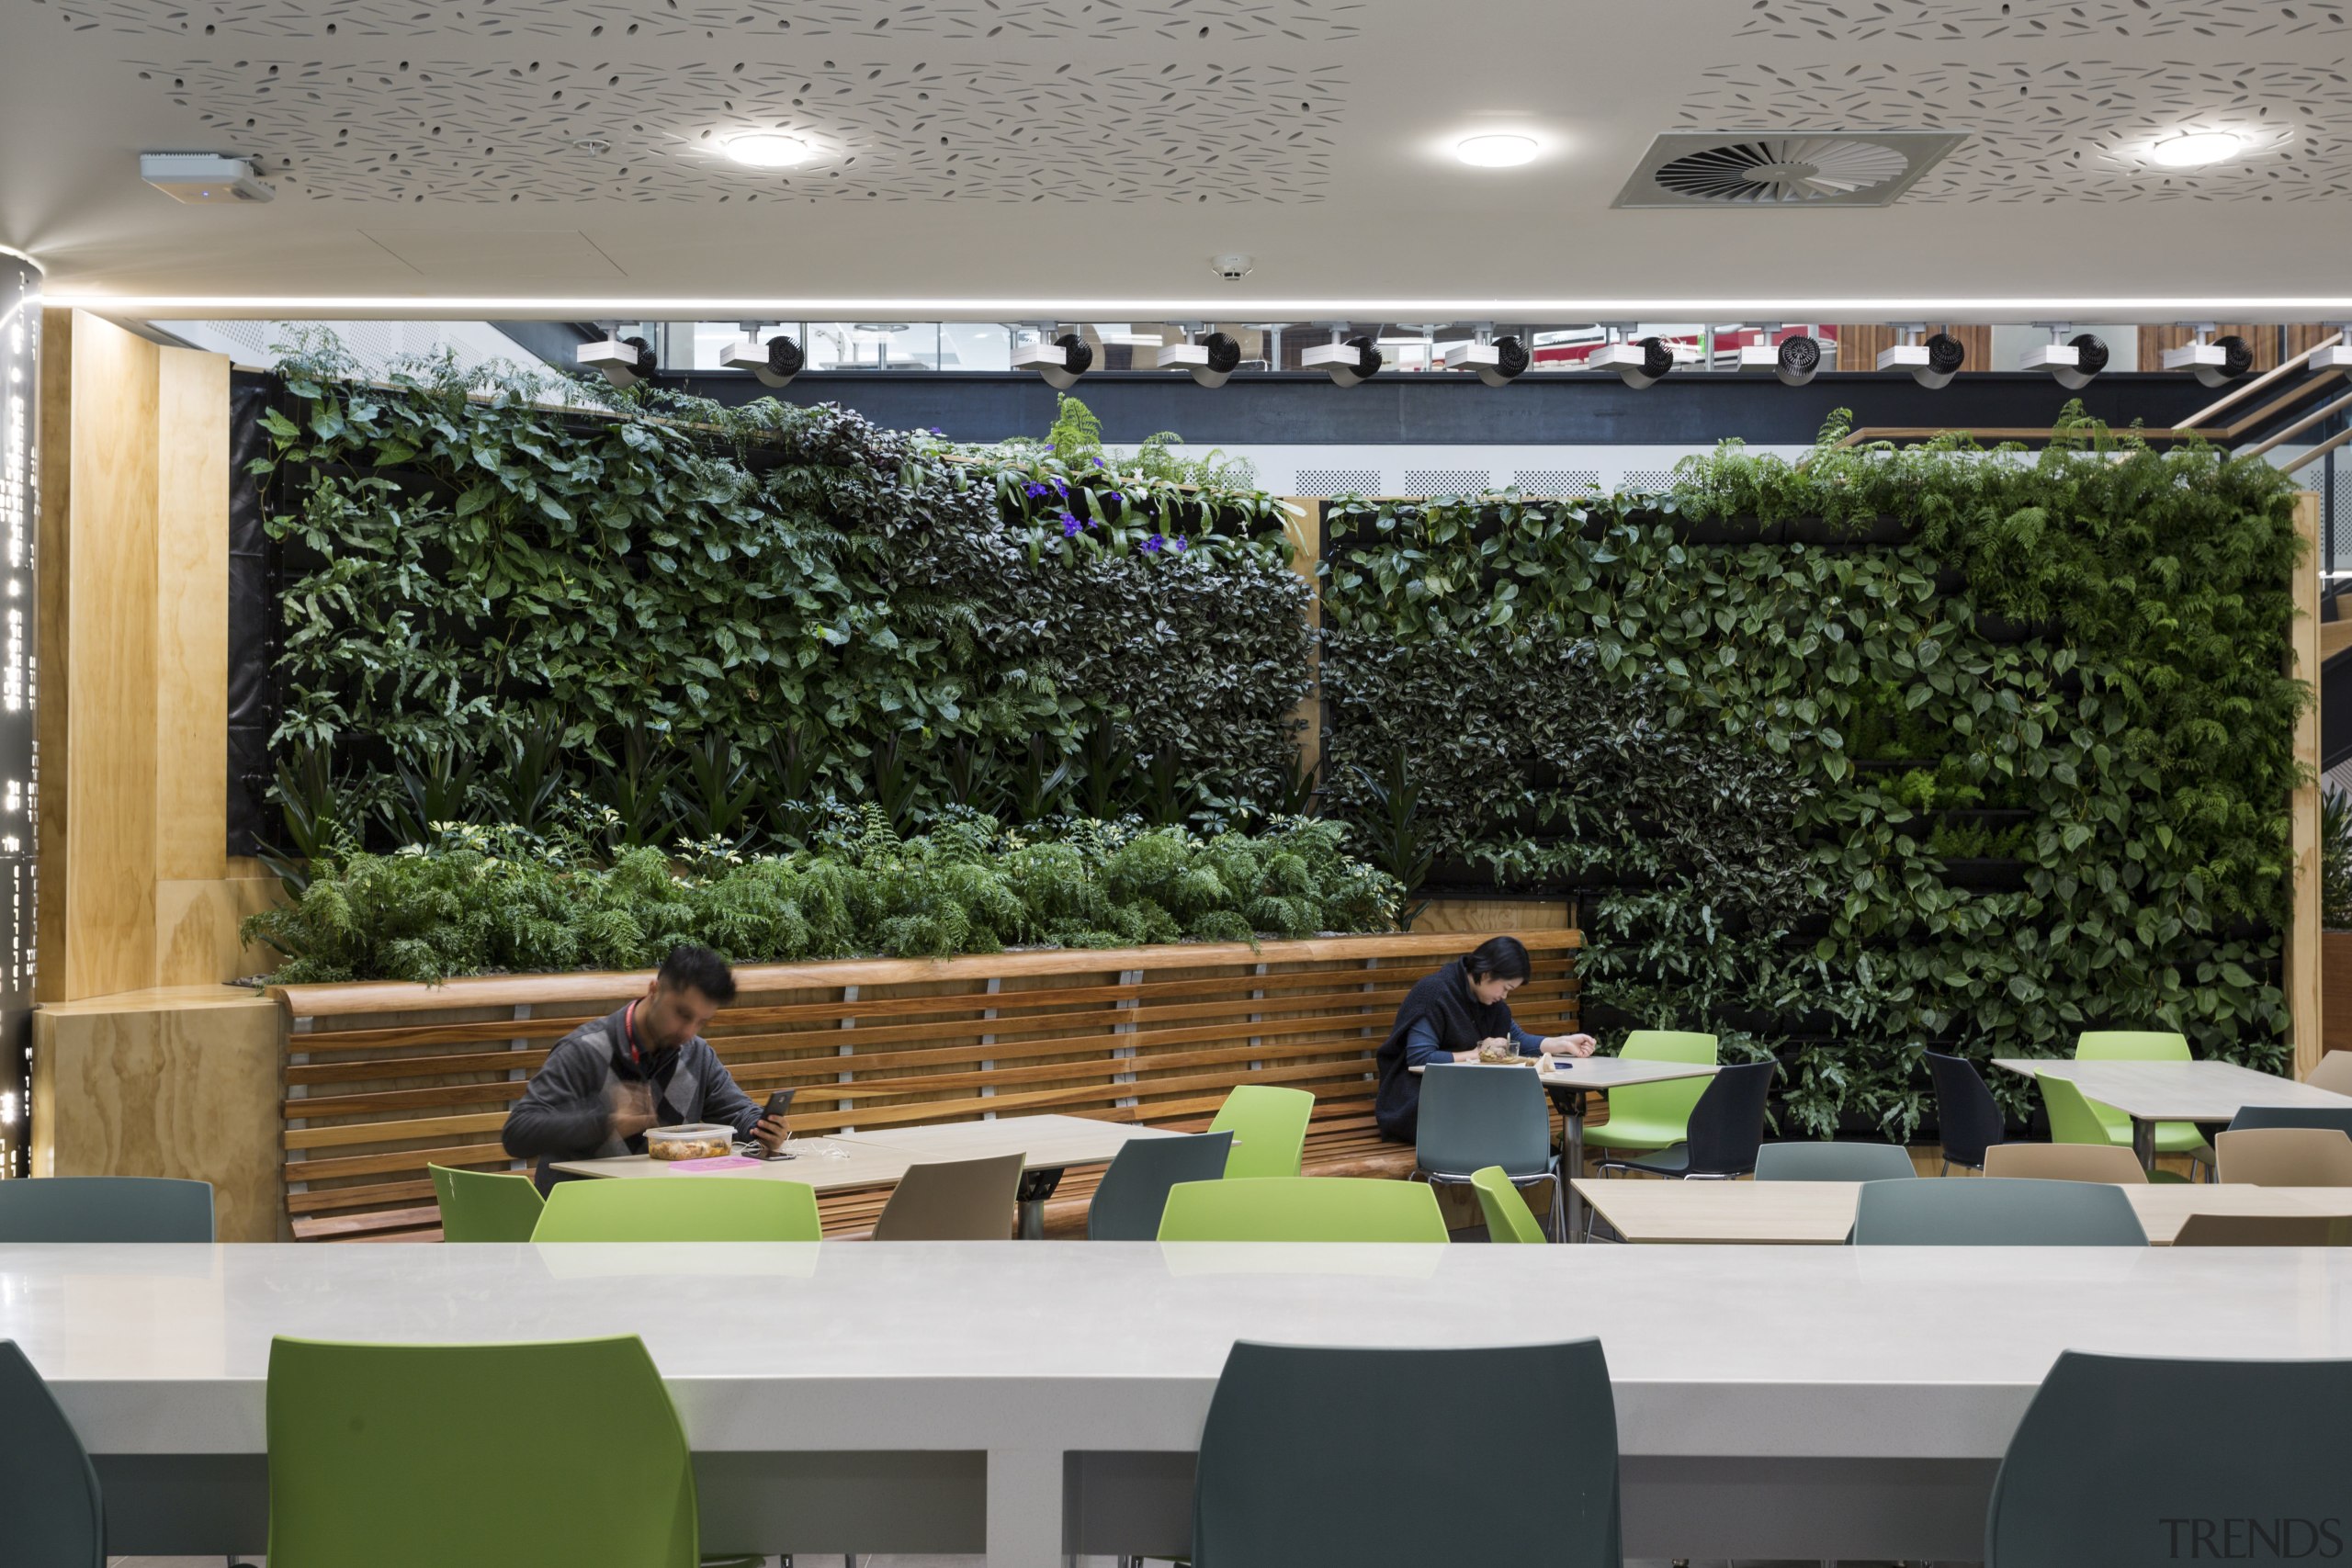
[384,1079]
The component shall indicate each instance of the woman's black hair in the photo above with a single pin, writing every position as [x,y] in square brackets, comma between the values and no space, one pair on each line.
[1498,958]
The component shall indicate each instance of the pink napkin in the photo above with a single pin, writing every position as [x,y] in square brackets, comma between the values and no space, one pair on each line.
[723,1162]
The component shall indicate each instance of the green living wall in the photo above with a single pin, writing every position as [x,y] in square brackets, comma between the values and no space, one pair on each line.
[1874,749]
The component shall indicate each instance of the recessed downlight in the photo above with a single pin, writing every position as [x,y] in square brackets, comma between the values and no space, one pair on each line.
[2195,148]
[768,150]
[1497,150]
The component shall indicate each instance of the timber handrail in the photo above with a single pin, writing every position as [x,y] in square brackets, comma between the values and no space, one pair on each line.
[345,997]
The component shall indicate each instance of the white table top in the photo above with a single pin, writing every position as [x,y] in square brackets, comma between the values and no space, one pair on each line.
[1599,1072]
[880,1157]
[1099,1345]
[1822,1213]
[2174,1091]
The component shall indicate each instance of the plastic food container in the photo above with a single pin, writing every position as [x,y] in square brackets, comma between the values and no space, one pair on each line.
[696,1140]
[1498,1053]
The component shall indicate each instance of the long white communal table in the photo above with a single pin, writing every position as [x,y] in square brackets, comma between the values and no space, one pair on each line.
[1043,1400]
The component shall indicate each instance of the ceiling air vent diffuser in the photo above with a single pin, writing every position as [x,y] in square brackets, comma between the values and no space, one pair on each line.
[1752,168]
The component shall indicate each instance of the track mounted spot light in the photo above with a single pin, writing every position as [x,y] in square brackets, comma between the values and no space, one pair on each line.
[1348,361]
[1795,359]
[623,361]
[1210,359]
[1932,363]
[1641,363]
[1061,362]
[2212,363]
[2335,356]
[775,361]
[1498,361]
[2071,361]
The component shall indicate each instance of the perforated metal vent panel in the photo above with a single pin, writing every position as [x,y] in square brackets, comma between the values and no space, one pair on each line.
[1953,21]
[1448,482]
[1645,479]
[1557,482]
[1336,481]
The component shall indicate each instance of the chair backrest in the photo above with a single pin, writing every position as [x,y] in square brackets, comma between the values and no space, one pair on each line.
[1727,1124]
[485,1205]
[388,1456]
[2110,1163]
[1508,1217]
[2096,1470]
[1302,1208]
[679,1208]
[106,1208]
[2292,1116]
[2285,1156]
[1967,1113]
[2334,1072]
[1269,1127]
[2263,1230]
[1669,1046]
[50,1511]
[1133,1193]
[1833,1162]
[1473,1116]
[1990,1213]
[953,1200]
[1295,1437]
[2072,1119]
[2131,1045]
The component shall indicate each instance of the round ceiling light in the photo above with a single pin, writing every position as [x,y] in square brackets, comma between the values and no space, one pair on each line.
[1496,150]
[2194,149]
[768,150]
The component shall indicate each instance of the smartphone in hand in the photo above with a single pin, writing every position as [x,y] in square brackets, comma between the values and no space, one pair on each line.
[778,1103]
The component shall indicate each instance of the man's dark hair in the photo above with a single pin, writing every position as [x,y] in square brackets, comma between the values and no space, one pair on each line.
[1498,958]
[690,965]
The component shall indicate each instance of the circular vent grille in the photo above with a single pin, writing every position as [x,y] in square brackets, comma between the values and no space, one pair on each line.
[1782,169]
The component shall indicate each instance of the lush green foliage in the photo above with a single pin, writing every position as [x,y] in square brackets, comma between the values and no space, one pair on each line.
[711,619]
[488,899]
[1759,719]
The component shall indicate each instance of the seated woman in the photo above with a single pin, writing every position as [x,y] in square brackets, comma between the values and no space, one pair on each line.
[1446,1017]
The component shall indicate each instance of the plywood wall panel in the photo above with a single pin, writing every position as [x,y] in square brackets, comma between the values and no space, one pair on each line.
[192,622]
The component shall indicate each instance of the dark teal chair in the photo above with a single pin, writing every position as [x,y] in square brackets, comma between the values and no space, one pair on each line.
[50,1512]
[1133,1193]
[1995,1212]
[105,1208]
[1473,1116]
[1833,1162]
[2097,1471]
[1297,1439]
[2293,1116]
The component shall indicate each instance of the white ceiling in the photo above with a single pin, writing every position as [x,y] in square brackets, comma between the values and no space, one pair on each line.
[1091,154]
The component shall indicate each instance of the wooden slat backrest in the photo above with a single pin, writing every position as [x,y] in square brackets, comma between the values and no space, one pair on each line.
[386,1078]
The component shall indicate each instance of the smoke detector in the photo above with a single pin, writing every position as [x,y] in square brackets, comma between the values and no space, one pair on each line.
[1232,267]
[1750,168]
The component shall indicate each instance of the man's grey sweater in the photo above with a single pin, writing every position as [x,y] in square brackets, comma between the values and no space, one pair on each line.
[566,1111]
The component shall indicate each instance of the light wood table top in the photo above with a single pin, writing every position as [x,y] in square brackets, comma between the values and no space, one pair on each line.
[1822,1213]
[2174,1091]
[1047,1141]
[1600,1072]
[828,1164]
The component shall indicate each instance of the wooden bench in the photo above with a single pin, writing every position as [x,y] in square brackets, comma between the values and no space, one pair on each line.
[384,1078]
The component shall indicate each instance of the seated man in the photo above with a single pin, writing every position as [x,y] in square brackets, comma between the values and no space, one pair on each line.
[646,1066]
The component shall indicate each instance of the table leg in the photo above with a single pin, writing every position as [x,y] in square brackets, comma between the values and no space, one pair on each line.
[1572,1163]
[1037,1185]
[1025,1507]
[2144,1144]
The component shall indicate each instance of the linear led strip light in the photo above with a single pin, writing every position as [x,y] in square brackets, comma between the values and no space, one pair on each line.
[1984,309]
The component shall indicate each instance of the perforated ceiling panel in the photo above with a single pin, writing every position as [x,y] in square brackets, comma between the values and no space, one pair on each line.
[383,101]
[2071,132]
[1941,21]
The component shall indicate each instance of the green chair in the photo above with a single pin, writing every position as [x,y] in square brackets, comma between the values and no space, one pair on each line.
[1833,1162]
[2097,1471]
[51,1515]
[680,1208]
[1269,1128]
[1996,1212]
[388,1456]
[1508,1217]
[2143,1045]
[482,1205]
[2074,1119]
[1297,1438]
[1302,1208]
[1650,1116]
[1132,1194]
[105,1208]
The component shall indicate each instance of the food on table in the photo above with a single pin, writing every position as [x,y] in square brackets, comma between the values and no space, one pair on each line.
[1498,1050]
[693,1141]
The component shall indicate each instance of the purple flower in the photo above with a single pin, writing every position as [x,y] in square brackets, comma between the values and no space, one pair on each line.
[1049,445]
[937,431]
[1062,490]
[1033,490]
[1180,544]
[1113,496]
[1069,525]
[1097,462]
[1151,545]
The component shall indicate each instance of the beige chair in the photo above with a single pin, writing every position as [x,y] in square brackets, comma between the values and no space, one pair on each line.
[2286,1156]
[2334,1072]
[955,1200]
[2110,1163]
[2263,1230]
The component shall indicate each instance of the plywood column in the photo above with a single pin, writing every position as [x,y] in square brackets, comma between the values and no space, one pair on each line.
[2303,967]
